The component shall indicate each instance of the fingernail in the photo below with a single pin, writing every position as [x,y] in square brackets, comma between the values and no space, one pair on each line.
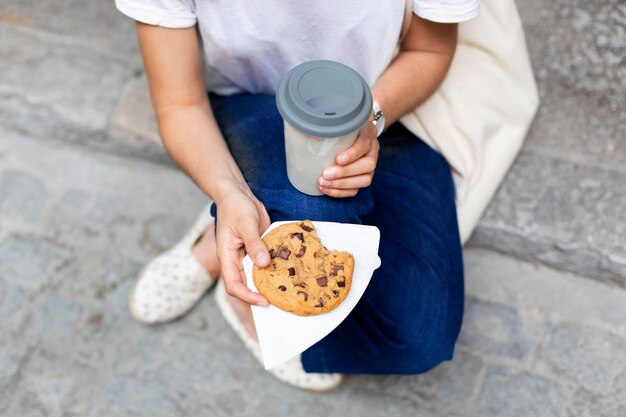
[261,258]
[330,173]
[343,159]
[260,304]
[324,183]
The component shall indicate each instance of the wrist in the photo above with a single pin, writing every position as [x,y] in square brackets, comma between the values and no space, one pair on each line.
[378,118]
[223,187]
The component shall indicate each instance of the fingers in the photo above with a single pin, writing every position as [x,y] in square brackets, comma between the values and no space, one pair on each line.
[234,279]
[357,181]
[251,236]
[364,165]
[340,193]
[265,218]
[362,145]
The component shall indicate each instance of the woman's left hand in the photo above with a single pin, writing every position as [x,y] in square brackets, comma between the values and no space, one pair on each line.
[355,166]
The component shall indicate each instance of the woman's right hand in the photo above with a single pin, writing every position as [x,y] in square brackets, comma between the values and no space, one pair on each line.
[242,220]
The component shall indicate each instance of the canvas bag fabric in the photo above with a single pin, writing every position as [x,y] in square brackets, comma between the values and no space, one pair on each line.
[480,115]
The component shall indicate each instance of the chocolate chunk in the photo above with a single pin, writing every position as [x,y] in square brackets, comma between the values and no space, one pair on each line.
[300,284]
[322,281]
[272,253]
[335,293]
[341,284]
[283,253]
[298,235]
[300,253]
[282,288]
[335,269]
[305,227]
[306,296]
[315,254]
[321,303]
[292,271]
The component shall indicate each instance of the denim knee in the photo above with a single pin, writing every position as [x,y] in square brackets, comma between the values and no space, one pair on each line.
[411,348]
[409,355]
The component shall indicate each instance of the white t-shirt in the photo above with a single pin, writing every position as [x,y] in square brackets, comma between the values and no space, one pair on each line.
[250,45]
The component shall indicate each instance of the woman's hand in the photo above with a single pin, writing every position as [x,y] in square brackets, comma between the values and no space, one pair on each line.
[242,220]
[355,166]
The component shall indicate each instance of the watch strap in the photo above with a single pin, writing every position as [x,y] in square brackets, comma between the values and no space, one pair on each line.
[379,118]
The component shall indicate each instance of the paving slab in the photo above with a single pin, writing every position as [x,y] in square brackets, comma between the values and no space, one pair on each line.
[561,213]
[133,123]
[57,88]
[95,23]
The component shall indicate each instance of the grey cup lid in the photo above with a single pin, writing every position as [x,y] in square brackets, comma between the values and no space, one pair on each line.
[324,98]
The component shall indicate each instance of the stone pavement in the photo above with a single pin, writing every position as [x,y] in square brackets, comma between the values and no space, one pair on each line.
[76,225]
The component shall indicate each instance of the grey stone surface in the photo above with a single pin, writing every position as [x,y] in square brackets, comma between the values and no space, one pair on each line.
[587,404]
[47,386]
[9,364]
[510,394]
[27,261]
[73,84]
[105,202]
[541,294]
[23,196]
[450,387]
[495,329]
[130,397]
[133,122]
[577,48]
[591,357]
[96,24]
[564,214]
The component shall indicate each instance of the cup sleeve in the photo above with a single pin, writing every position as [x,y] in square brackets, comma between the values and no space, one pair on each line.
[174,14]
[446,11]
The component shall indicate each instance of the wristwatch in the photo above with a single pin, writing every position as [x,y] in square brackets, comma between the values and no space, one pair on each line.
[379,118]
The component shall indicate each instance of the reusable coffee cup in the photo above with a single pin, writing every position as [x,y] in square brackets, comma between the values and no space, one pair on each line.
[324,104]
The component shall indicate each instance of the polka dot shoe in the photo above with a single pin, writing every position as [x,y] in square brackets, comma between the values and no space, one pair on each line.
[291,372]
[172,283]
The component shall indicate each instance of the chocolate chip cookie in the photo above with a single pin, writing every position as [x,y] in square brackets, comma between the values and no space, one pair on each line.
[304,277]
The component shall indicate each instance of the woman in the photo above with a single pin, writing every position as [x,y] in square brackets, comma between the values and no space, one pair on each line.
[230,142]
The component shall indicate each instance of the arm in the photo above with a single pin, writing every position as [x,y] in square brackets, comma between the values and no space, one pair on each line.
[418,70]
[193,139]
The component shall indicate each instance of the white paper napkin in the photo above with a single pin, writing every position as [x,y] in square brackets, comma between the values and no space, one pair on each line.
[284,335]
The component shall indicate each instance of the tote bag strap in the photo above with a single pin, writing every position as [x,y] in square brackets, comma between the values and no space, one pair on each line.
[406,23]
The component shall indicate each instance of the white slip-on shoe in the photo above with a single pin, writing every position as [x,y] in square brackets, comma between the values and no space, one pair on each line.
[291,372]
[173,282]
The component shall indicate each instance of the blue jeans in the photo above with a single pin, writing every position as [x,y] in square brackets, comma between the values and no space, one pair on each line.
[409,318]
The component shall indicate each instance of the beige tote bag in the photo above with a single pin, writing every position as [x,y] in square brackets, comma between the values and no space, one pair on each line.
[479,116]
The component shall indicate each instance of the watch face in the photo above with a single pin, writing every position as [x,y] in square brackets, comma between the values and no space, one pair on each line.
[379,118]
[379,122]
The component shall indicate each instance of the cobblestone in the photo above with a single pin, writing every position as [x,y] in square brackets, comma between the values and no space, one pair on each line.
[23,196]
[587,355]
[28,262]
[509,394]
[72,85]
[495,329]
